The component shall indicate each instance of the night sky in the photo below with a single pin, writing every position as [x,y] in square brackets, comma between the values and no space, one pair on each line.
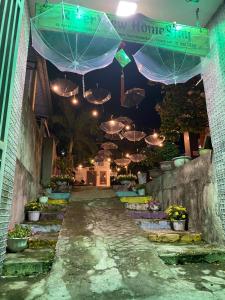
[144,117]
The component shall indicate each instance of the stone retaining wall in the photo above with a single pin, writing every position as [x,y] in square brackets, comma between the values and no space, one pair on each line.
[193,186]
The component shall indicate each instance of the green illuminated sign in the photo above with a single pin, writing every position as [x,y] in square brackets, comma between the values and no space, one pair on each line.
[137,29]
[122,58]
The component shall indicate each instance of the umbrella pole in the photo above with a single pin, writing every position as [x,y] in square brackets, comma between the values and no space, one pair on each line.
[122,89]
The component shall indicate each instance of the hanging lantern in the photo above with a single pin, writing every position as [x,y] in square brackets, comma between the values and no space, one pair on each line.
[134,136]
[133,97]
[109,146]
[64,87]
[105,153]
[155,139]
[122,162]
[112,126]
[125,120]
[114,137]
[97,96]
[74,38]
[137,157]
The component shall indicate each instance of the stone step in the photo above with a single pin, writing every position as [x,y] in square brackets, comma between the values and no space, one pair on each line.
[176,254]
[169,236]
[57,202]
[48,215]
[140,214]
[137,199]
[137,206]
[153,224]
[44,226]
[126,194]
[43,240]
[59,196]
[28,262]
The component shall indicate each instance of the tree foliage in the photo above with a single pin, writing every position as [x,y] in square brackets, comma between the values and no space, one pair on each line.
[79,129]
[183,109]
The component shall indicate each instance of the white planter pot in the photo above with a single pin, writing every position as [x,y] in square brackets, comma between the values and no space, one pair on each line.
[141,192]
[179,225]
[43,199]
[33,216]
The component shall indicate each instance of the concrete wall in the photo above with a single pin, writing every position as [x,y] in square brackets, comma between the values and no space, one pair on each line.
[192,186]
[214,82]
[28,164]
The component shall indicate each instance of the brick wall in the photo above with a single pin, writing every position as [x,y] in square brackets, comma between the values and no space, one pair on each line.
[17,98]
[214,83]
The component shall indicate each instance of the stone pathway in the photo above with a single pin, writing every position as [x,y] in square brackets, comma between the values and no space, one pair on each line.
[102,254]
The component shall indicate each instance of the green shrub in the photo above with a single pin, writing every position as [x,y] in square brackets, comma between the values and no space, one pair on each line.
[19,232]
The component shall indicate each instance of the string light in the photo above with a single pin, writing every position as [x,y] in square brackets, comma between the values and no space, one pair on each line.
[127,155]
[80,166]
[75,101]
[95,113]
[127,127]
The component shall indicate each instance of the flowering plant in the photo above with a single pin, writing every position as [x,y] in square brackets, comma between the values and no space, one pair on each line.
[129,177]
[19,232]
[176,212]
[62,178]
[33,206]
[154,205]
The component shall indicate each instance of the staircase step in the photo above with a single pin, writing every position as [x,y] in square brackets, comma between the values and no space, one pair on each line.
[28,262]
[137,199]
[44,226]
[137,206]
[57,202]
[52,215]
[139,214]
[180,254]
[59,196]
[43,240]
[126,194]
[169,236]
[153,224]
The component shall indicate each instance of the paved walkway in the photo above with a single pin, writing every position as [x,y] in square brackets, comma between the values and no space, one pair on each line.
[101,254]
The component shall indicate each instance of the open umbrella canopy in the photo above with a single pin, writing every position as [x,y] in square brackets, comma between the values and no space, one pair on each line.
[134,136]
[125,120]
[112,126]
[155,139]
[104,153]
[64,87]
[166,66]
[133,97]
[97,96]
[114,137]
[122,162]
[137,157]
[109,146]
[63,35]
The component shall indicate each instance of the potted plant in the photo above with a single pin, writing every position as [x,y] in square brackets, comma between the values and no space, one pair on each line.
[203,151]
[140,188]
[43,199]
[167,153]
[125,179]
[47,188]
[17,238]
[178,216]
[154,205]
[181,160]
[33,209]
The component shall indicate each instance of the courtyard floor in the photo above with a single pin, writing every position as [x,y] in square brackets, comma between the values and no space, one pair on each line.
[102,254]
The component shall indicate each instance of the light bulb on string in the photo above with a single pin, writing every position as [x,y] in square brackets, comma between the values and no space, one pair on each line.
[94,113]
[75,101]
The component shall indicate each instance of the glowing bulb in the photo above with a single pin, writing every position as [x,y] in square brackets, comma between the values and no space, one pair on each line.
[94,113]
[112,122]
[118,169]
[160,145]
[127,155]
[55,87]
[109,159]
[80,166]
[127,127]
[92,161]
[155,135]
[75,101]
[126,8]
